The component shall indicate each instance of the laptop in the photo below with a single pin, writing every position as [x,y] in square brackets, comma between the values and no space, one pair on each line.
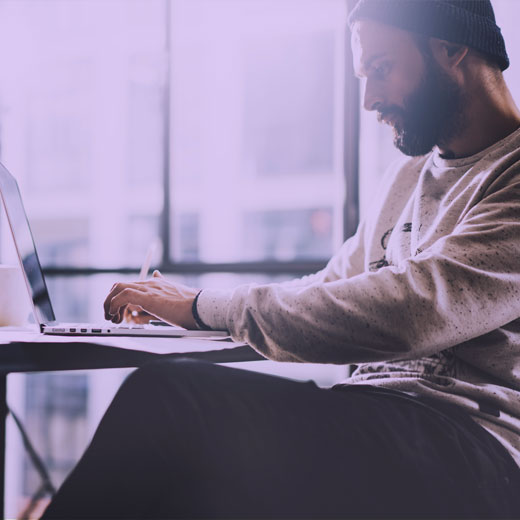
[39,295]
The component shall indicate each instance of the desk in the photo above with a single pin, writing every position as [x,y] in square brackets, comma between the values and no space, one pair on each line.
[32,352]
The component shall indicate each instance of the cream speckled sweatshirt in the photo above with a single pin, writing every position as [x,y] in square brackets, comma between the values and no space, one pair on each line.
[425,297]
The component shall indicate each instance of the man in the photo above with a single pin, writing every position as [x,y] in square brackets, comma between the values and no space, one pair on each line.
[425,298]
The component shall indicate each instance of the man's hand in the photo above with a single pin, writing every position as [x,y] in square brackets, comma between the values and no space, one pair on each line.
[134,314]
[158,297]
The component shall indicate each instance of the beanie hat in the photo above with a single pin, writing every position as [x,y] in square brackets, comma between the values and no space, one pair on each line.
[467,22]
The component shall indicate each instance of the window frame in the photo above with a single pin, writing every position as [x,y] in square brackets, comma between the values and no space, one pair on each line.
[350,210]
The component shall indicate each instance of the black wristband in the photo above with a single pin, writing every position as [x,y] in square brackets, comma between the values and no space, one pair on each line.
[196,316]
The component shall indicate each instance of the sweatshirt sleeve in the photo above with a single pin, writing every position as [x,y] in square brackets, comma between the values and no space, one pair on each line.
[212,305]
[464,286]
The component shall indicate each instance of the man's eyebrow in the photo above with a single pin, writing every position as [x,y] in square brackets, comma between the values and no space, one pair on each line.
[365,66]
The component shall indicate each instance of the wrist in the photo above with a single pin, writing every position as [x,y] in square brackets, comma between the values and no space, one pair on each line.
[199,324]
[213,306]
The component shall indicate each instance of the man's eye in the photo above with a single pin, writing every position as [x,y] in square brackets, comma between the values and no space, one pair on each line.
[381,70]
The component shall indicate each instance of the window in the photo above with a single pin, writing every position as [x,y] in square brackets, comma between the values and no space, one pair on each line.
[216,125]
[83,125]
[257,124]
[235,108]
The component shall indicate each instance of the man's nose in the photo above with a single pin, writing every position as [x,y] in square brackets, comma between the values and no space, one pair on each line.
[372,97]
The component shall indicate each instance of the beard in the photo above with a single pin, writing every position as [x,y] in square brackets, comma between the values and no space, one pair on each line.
[432,114]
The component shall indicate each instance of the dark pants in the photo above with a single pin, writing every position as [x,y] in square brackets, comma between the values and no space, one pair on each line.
[186,439]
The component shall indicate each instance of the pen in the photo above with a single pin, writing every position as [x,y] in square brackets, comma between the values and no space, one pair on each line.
[143,273]
[148,260]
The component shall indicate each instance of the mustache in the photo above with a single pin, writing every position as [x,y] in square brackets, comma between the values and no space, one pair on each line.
[393,110]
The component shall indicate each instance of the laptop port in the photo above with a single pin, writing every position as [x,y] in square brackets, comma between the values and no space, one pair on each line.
[96,331]
[83,330]
[72,330]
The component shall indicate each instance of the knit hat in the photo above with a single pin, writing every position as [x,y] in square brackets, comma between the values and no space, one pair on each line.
[468,22]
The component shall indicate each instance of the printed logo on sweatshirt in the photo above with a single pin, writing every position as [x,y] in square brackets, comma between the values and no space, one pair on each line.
[383,262]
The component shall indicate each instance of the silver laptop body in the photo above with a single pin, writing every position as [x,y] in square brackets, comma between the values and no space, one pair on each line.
[37,288]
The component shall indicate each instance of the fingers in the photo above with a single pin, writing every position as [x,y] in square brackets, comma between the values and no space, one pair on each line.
[115,305]
[130,314]
[142,318]
[135,314]
[117,289]
[118,318]
[118,299]
[121,301]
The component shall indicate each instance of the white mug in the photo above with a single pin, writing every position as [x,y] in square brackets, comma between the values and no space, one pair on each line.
[14,299]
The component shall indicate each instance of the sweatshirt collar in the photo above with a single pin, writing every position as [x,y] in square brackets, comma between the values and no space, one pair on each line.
[440,162]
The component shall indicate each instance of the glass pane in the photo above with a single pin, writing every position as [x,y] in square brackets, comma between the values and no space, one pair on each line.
[507,12]
[280,235]
[257,129]
[82,124]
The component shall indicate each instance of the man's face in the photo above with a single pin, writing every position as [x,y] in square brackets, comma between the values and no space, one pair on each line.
[408,88]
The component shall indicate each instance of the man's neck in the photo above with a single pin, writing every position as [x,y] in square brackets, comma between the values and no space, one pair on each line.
[491,115]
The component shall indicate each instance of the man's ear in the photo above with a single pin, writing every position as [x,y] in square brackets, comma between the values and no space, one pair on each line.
[447,54]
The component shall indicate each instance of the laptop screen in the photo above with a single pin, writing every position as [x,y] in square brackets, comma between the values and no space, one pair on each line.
[24,243]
